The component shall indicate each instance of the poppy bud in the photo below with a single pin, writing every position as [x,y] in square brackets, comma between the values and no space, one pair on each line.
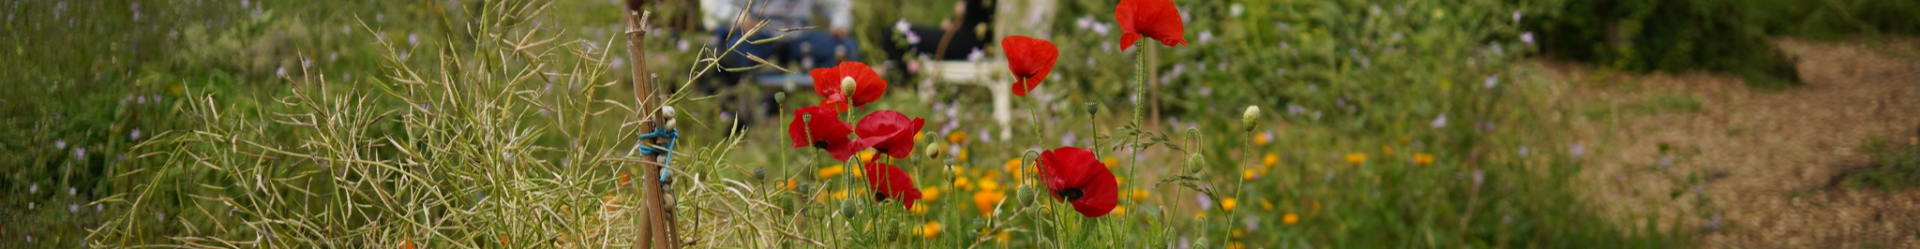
[847,85]
[760,173]
[1253,113]
[1026,196]
[1093,108]
[780,97]
[847,209]
[933,150]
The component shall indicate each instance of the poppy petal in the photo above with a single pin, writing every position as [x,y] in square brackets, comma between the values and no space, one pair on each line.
[826,81]
[889,131]
[1069,168]
[893,182]
[1102,193]
[868,86]
[1157,19]
[1030,60]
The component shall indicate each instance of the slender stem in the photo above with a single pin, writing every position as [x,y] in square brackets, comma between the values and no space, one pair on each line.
[1139,106]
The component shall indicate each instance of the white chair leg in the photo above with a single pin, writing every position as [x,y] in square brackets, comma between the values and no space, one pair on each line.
[1002,107]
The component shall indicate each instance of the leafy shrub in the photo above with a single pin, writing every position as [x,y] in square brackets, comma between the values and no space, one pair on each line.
[1662,35]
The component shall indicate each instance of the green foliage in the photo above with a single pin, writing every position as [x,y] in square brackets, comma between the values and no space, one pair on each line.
[1656,35]
[1836,18]
[1893,165]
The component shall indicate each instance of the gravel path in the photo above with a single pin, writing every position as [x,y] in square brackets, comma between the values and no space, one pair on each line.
[1766,157]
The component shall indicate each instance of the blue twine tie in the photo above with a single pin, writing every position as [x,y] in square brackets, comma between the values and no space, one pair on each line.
[666,151]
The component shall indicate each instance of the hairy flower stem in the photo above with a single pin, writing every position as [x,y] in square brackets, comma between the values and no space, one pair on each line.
[1139,106]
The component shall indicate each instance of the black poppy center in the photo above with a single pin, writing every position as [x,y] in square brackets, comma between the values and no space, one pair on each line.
[822,144]
[879,197]
[1071,194]
[881,150]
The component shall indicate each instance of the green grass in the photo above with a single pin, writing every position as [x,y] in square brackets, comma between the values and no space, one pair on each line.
[480,138]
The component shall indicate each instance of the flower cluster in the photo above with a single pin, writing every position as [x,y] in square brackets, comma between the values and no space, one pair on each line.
[1073,175]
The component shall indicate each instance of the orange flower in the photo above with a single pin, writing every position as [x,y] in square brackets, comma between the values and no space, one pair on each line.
[1290,218]
[406,245]
[1422,159]
[1356,158]
[984,201]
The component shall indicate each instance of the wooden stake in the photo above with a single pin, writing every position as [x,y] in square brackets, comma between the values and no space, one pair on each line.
[659,230]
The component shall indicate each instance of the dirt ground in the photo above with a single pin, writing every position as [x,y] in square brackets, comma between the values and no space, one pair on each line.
[1766,157]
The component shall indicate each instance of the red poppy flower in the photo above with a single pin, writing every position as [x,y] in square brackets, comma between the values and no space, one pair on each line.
[1155,19]
[868,86]
[1074,175]
[889,132]
[1030,60]
[821,128]
[888,181]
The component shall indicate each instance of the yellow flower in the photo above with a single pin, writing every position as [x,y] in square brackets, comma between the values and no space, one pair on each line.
[984,201]
[1199,214]
[1237,233]
[963,183]
[1290,218]
[1236,245]
[930,193]
[919,208]
[1003,236]
[986,185]
[1119,210]
[831,171]
[839,194]
[1422,159]
[961,155]
[1260,139]
[919,136]
[1266,205]
[1356,158]
[1270,160]
[1111,162]
[1228,204]
[929,230]
[1140,194]
[1248,175]
[957,137]
[1386,150]
[866,155]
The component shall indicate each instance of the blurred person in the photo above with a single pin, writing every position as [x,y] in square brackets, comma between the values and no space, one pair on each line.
[809,44]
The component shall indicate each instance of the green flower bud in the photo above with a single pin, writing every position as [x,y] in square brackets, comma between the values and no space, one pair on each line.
[1253,114]
[846,86]
[1093,108]
[780,97]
